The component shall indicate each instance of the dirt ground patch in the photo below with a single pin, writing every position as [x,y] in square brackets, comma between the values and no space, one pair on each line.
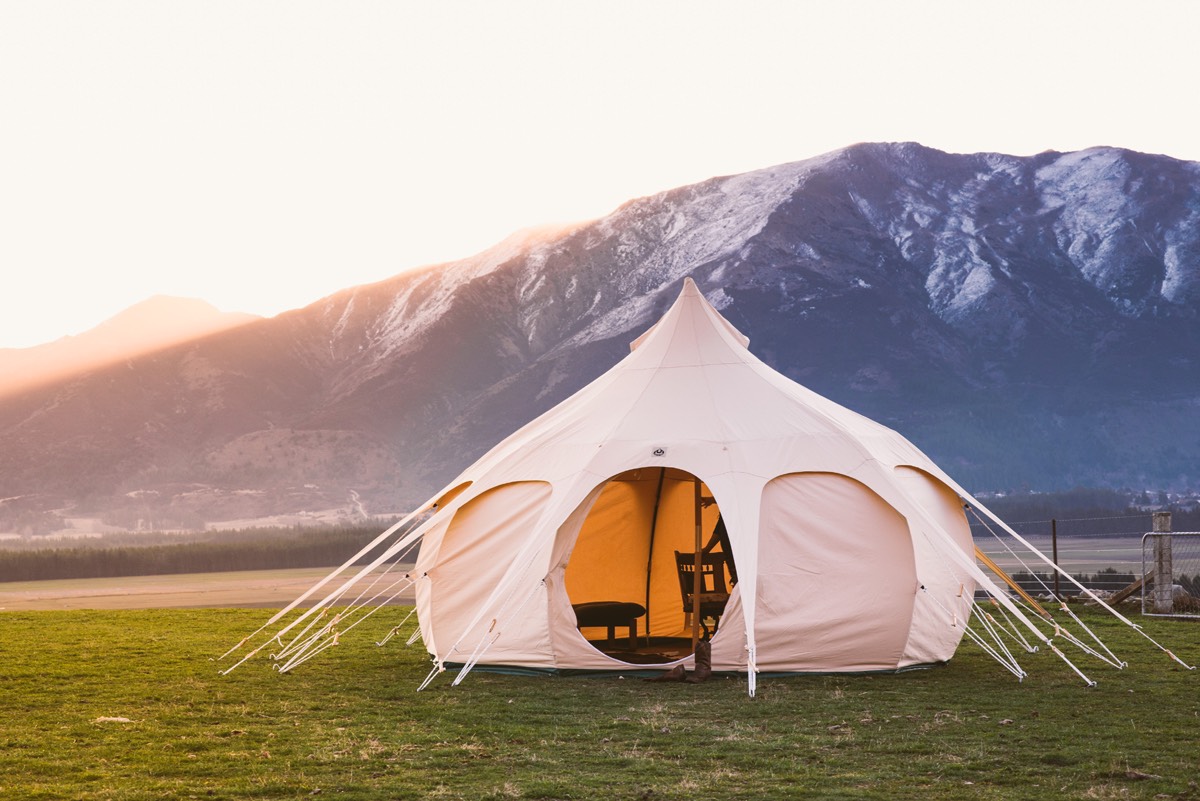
[250,588]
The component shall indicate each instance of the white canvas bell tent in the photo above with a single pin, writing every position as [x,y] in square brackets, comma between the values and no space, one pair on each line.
[850,548]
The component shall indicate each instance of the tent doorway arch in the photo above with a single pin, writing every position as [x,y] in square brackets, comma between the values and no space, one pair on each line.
[642,524]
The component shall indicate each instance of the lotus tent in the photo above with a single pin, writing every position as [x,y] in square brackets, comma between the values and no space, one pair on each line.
[689,492]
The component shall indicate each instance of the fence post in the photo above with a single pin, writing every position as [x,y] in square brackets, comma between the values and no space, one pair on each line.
[1164,573]
[1054,545]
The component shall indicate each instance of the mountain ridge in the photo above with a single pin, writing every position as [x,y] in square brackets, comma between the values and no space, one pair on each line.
[1024,320]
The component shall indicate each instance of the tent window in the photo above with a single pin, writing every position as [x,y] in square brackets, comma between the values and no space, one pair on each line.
[836,576]
[625,557]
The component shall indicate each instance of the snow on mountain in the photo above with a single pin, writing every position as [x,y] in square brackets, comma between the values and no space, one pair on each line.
[662,239]
[1100,197]
[422,301]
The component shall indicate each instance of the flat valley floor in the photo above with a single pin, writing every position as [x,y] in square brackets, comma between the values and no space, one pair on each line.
[250,588]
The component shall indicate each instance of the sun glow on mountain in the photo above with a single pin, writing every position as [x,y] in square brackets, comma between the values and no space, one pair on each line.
[151,325]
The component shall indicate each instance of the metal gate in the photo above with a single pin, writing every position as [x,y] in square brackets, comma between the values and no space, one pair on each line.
[1171,574]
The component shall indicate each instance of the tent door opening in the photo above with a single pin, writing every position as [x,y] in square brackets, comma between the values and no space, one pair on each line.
[651,570]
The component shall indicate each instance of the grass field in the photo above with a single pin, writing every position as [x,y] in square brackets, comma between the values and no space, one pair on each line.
[130,705]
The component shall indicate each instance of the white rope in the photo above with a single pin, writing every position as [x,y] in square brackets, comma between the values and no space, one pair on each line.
[437,668]
[291,646]
[248,656]
[995,519]
[304,656]
[406,542]
[1061,631]
[373,603]
[389,531]
[1110,658]
[319,609]
[1011,665]
[372,606]
[379,577]
[1063,657]
[294,649]
[1003,599]
[239,645]
[1012,668]
[1058,631]
[350,614]
[1165,651]
[396,629]
[1115,659]
[1015,631]
[988,624]
[1013,553]
[1087,649]
[494,631]
[1006,628]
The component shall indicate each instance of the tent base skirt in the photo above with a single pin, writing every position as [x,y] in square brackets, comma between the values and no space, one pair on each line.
[638,671]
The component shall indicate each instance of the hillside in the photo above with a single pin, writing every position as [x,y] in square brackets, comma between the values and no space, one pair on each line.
[1026,321]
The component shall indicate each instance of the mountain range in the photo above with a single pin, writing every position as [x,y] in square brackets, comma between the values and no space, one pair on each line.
[1027,321]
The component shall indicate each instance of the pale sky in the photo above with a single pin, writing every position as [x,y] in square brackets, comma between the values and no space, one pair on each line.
[261,155]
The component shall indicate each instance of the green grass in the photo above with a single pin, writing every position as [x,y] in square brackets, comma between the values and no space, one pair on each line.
[349,725]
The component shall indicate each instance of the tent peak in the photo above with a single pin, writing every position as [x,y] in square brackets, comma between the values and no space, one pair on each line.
[690,295]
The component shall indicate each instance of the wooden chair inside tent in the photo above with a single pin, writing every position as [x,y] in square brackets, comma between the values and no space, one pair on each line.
[713,591]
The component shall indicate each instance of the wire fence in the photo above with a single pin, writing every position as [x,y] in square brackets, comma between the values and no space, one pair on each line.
[1118,557]
[1102,553]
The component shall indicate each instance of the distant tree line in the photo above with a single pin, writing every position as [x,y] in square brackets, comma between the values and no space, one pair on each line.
[252,549]
[1091,512]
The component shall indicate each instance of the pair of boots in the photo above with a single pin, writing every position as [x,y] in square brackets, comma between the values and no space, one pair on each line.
[703,660]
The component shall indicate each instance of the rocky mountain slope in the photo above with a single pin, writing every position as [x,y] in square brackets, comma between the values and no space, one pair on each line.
[1026,321]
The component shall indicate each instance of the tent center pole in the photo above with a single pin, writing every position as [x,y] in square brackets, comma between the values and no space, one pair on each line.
[696,573]
[662,474]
